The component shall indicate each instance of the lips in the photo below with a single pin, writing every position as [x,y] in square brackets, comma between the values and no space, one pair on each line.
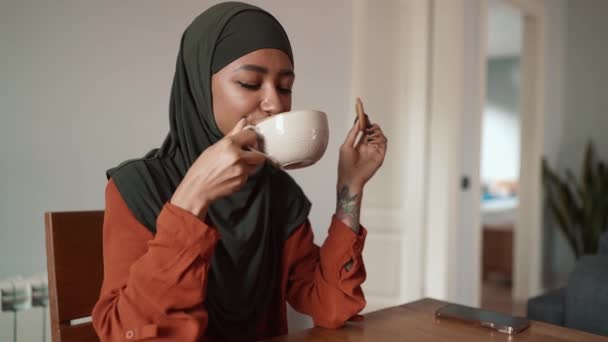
[254,119]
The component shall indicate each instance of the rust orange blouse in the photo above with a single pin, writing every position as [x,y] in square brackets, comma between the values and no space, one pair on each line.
[154,285]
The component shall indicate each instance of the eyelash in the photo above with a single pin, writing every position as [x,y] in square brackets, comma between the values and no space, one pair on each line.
[257,86]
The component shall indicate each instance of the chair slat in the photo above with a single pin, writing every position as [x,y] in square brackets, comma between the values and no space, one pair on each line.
[75,268]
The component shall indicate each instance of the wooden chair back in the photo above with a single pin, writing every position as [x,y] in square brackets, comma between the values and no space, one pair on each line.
[75,269]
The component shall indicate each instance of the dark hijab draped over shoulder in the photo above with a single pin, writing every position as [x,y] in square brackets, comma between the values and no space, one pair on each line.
[253,222]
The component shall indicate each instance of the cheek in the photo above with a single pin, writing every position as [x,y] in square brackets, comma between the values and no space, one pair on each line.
[288,103]
[229,104]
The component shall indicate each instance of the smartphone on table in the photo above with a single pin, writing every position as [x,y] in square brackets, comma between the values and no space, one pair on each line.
[489,319]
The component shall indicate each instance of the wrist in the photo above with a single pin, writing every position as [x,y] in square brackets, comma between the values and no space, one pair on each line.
[353,186]
[191,201]
[348,204]
[197,207]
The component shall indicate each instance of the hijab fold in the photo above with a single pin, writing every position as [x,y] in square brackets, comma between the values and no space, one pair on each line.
[253,222]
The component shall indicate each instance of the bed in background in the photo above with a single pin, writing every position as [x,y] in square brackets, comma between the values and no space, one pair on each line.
[498,216]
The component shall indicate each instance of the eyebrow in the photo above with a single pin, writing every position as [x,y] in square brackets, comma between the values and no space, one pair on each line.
[263,70]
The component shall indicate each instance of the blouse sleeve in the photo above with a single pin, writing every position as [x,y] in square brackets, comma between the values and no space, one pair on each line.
[153,286]
[318,283]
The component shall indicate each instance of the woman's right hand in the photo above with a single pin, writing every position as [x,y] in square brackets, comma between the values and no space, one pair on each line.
[220,170]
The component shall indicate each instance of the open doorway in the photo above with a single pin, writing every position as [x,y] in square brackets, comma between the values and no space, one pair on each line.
[500,154]
[455,136]
[511,197]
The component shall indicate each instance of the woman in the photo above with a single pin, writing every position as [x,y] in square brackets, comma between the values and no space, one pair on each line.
[202,237]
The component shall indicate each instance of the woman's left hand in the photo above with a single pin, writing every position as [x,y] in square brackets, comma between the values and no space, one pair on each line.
[361,158]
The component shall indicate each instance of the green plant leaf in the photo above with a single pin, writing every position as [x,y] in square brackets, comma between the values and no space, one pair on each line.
[579,206]
[562,221]
[563,206]
[604,223]
[587,169]
[576,185]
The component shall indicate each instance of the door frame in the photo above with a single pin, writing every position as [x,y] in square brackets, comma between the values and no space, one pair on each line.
[527,248]
[445,262]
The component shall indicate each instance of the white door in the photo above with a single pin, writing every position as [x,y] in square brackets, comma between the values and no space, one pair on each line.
[527,240]
[390,60]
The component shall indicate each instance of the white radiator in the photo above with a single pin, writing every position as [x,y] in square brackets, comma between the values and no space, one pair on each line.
[24,313]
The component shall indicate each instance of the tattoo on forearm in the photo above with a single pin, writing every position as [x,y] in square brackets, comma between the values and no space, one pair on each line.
[348,207]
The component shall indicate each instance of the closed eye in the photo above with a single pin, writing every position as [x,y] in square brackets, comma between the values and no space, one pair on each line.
[249,86]
[284,90]
[252,86]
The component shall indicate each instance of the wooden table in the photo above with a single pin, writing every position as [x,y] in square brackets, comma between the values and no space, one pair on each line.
[416,322]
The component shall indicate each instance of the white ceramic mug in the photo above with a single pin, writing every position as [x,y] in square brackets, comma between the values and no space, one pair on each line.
[293,140]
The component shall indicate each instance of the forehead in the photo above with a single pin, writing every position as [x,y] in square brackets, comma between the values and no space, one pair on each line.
[273,59]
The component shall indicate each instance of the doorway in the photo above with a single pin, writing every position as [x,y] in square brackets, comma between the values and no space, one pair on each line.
[500,155]
[466,264]
[522,199]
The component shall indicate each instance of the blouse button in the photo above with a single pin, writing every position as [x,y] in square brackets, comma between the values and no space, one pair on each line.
[129,334]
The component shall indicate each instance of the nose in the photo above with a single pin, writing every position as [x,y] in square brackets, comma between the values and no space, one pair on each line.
[271,102]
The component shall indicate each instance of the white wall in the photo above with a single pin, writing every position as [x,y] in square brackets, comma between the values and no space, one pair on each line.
[580,108]
[554,123]
[554,77]
[586,100]
[78,78]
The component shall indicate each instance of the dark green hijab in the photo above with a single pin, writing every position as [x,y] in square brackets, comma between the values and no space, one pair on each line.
[254,222]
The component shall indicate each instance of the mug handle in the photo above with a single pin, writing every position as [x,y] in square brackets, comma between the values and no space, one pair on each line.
[271,160]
